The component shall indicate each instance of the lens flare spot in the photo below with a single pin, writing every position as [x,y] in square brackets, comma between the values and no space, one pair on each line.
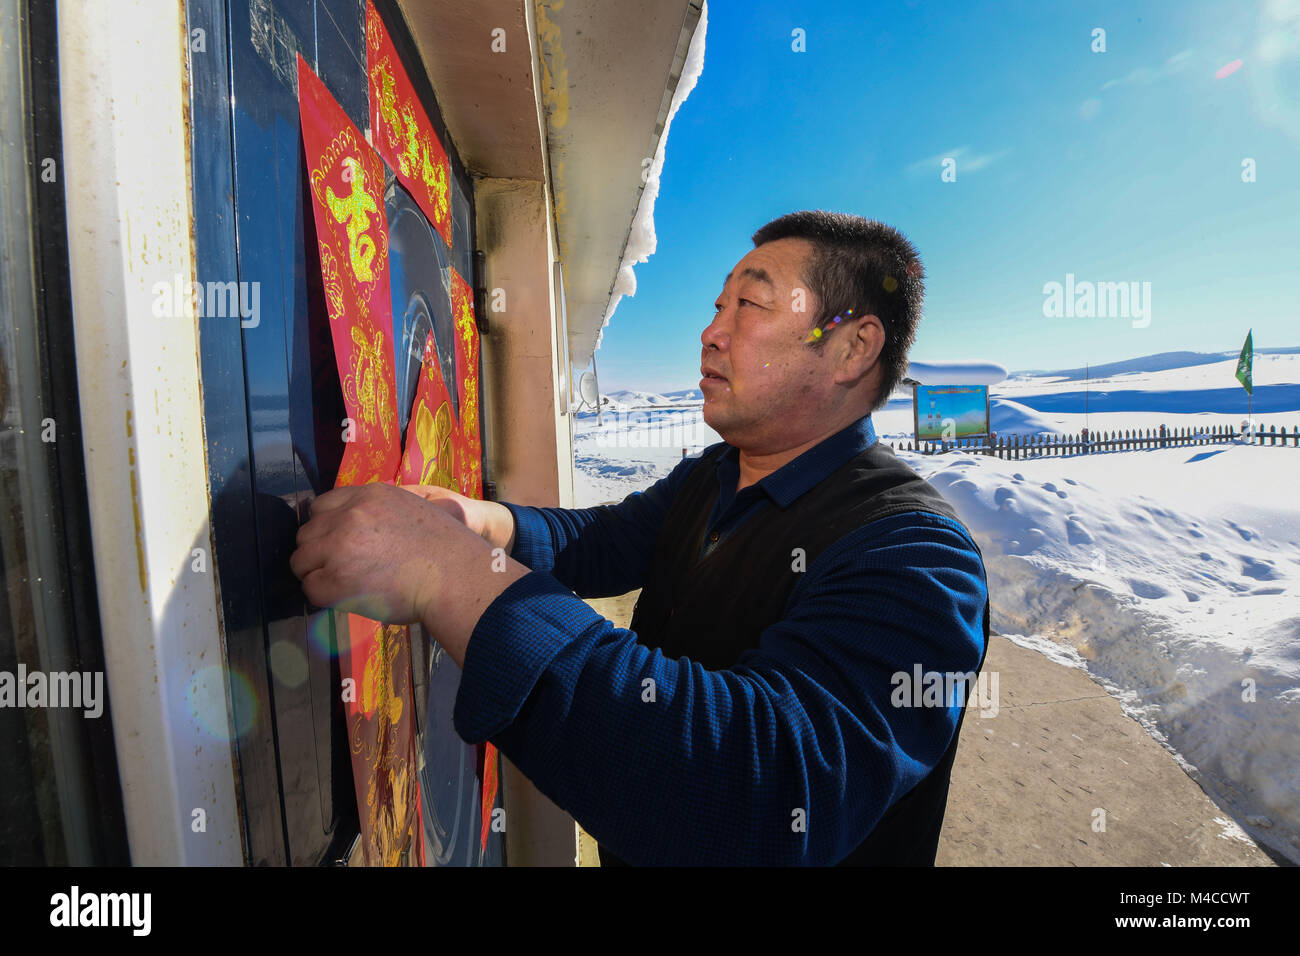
[320,631]
[288,663]
[205,702]
[1227,69]
[890,283]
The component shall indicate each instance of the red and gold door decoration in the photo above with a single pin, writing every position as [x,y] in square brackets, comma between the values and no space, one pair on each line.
[347,187]
[346,178]
[439,449]
[402,131]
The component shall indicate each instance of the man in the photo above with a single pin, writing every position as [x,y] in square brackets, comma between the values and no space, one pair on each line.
[796,580]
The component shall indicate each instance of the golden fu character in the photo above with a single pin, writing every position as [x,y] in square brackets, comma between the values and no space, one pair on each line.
[355,211]
[433,433]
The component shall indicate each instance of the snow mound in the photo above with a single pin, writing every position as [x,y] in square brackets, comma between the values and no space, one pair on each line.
[1013,418]
[1175,577]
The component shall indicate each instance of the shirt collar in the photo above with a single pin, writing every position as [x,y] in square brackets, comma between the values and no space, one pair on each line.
[810,468]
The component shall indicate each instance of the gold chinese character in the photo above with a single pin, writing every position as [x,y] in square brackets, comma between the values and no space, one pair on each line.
[355,211]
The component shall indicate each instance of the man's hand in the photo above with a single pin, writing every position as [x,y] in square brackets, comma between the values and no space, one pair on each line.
[397,557]
[490,520]
[371,550]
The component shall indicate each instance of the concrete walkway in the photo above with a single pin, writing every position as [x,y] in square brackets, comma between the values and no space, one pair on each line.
[1028,783]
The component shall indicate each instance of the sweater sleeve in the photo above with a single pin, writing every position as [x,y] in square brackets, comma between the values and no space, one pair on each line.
[790,757]
[602,551]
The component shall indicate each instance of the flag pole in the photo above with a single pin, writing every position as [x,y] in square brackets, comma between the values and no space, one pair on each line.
[1245,375]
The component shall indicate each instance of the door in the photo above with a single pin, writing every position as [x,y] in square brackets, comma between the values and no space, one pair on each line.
[273,408]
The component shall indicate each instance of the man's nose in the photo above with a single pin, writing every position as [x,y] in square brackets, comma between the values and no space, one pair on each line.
[716,332]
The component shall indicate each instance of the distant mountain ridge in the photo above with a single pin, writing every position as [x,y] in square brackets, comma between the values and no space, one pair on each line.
[636,398]
[627,398]
[1159,362]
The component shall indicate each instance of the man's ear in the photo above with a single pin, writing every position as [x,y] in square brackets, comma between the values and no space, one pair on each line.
[865,339]
[869,338]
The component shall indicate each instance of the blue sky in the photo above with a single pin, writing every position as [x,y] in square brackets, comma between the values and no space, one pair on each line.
[1122,166]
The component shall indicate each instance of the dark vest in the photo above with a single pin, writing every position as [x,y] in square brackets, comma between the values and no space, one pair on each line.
[712,610]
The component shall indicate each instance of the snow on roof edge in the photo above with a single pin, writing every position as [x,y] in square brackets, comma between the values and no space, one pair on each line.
[970,372]
[641,240]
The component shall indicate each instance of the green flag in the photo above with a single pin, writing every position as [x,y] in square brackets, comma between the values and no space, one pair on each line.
[1244,363]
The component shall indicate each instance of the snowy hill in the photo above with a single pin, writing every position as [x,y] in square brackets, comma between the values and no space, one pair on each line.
[1153,363]
[631,398]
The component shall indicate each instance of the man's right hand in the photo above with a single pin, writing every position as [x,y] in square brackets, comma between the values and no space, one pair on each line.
[490,520]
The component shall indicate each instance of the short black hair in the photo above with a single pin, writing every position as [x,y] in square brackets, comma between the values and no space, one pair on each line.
[863,265]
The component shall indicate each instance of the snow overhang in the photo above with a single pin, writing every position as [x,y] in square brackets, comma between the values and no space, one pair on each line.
[590,88]
[611,73]
[972,372]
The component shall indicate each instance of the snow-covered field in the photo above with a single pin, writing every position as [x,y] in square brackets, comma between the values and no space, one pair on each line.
[1172,575]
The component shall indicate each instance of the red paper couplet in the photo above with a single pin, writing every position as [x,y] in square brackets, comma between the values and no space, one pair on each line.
[347,187]
[402,131]
[441,450]
[347,182]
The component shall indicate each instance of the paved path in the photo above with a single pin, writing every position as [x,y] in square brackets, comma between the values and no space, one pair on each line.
[1028,782]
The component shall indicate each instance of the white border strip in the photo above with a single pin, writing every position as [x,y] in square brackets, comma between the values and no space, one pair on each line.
[124,88]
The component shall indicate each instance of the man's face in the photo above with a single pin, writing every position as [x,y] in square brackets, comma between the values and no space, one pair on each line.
[775,388]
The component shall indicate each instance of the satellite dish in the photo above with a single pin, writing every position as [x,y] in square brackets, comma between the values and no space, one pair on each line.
[588,389]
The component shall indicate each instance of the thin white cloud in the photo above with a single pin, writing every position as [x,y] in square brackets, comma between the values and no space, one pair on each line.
[1279,31]
[981,161]
[1270,70]
[1146,75]
[967,161]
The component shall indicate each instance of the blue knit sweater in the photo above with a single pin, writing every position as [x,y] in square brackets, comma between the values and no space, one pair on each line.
[757,764]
